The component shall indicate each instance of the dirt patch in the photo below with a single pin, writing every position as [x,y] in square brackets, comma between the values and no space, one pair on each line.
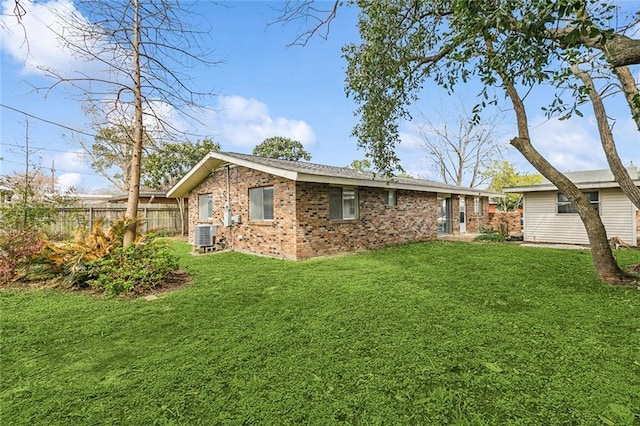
[174,281]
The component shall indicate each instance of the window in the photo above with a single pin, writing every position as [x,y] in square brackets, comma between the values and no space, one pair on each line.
[477,206]
[261,203]
[205,206]
[343,203]
[565,206]
[390,198]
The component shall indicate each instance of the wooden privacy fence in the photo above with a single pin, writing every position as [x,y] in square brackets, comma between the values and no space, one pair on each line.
[156,217]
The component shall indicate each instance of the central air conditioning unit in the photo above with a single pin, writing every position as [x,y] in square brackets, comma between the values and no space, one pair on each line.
[205,235]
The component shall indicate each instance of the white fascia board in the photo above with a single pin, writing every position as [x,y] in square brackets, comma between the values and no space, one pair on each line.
[196,175]
[212,162]
[257,166]
[550,187]
[373,183]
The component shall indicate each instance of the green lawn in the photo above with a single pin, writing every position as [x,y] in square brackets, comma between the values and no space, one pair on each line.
[436,333]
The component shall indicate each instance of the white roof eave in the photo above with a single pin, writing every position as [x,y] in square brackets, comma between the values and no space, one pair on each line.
[551,187]
[215,160]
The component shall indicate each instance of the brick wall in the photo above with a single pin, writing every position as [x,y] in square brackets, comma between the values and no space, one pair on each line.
[301,227]
[477,221]
[272,238]
[377,225]
[512,219]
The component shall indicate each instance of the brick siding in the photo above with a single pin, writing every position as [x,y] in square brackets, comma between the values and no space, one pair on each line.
[477,221]
[301,227]
[512,219]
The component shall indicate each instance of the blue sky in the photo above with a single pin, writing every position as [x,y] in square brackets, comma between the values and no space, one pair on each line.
[264,89]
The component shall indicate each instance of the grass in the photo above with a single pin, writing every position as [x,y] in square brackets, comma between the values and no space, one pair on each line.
[436,333]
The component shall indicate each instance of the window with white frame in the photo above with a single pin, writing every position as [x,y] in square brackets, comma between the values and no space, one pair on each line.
[565,206]
[343,203]
[390,198]
[205,206]
[261,203]
[477,206]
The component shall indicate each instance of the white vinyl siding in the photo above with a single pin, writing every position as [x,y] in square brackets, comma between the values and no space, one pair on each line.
[542,223]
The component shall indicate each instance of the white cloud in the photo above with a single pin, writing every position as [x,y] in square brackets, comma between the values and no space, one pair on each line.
[410,137]
[69,167]
[234,121]
[70,161]
[570,145]
[68,181]
[33,40]
[246,122]
[51,40]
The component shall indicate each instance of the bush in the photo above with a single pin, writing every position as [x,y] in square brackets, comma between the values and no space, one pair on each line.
[494,236]
[95,258]
[67,261]
[131,269]
[486,230]
[17,247]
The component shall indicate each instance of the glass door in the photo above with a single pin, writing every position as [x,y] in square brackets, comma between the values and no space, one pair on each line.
[444,215]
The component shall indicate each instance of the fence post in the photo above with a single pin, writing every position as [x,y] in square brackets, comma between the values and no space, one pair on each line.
[90,217]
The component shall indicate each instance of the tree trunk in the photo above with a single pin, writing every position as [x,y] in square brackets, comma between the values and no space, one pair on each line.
[181,204]
[605,264]
[606,138]
[630,90]
[134,177]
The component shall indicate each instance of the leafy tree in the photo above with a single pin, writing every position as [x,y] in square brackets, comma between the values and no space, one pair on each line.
[361,165]
[32,204]
[165,166]
[506,45]
[283,148]
[111,154]
[503,174]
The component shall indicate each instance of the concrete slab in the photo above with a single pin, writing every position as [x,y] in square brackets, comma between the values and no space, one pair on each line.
[556,246]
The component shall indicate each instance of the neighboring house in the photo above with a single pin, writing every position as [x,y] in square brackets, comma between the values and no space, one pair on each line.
[6,194]
[144,197]
[549,216]
[299,210]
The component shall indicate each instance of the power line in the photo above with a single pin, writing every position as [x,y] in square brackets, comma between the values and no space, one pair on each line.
[42,149]
[47,121]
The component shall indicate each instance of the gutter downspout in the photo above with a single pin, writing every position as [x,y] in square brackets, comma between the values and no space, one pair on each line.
[227,210]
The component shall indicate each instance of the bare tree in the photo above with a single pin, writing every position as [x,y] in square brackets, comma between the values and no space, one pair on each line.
[459,149]
[131,55]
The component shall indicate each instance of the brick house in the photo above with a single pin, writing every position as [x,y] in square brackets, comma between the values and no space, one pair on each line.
[299,210]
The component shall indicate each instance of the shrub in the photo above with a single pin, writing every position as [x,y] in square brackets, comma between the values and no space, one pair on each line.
[486,230]
[95,258]
[17,247]
[68,260]
[494,236]
[132,269]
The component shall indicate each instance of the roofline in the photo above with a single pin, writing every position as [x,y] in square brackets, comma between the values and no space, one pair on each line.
[214,160]
[552,187]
